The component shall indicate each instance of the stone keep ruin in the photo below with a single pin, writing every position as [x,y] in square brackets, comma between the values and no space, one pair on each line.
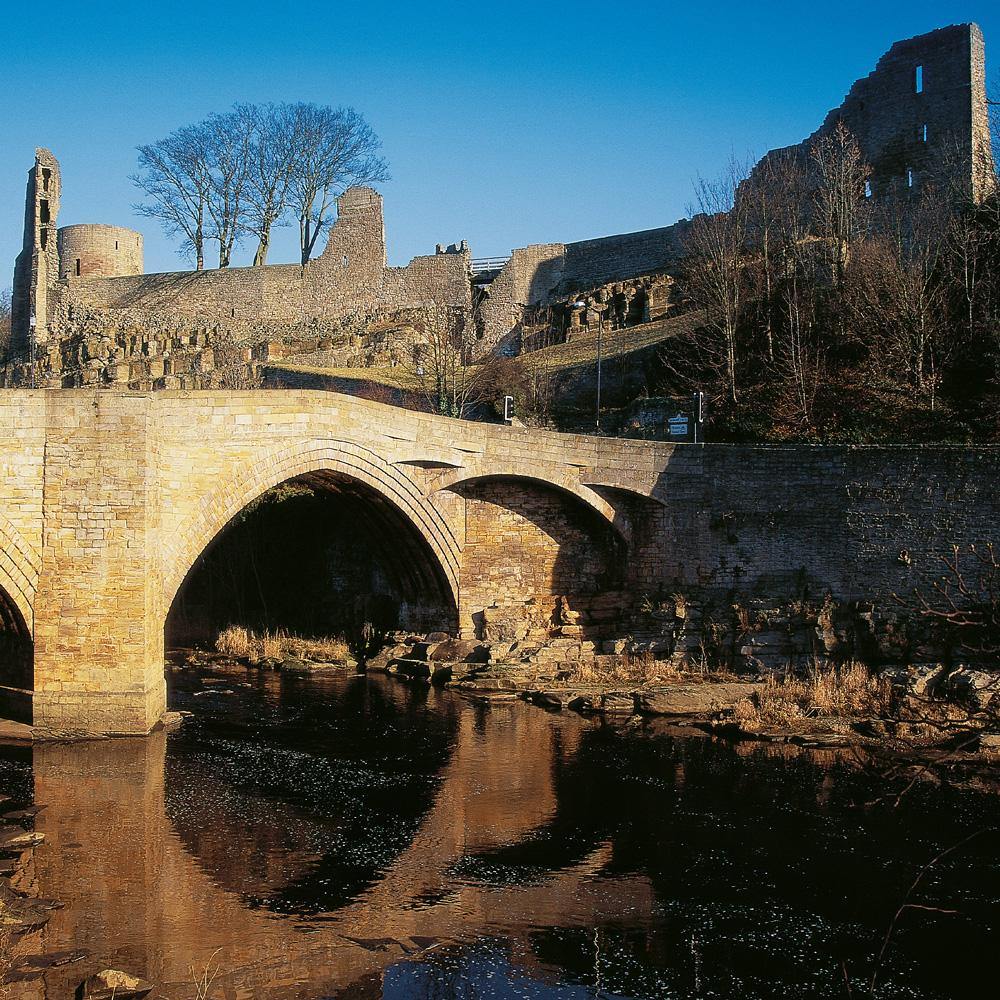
[84,313]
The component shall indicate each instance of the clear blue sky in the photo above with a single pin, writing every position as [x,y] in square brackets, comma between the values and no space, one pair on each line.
[504,123]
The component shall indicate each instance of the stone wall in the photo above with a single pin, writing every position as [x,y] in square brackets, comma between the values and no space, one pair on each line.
[549,273]
[349,277]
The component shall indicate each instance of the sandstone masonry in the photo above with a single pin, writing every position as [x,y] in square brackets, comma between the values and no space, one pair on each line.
[564,543]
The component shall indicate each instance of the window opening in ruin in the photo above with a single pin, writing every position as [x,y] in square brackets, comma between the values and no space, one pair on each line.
[43,211]
[909,177]
[46,174]
[923,133]
[918,80]
[346,261]
[868,189]
[44,238]
[116,244]
[78,267]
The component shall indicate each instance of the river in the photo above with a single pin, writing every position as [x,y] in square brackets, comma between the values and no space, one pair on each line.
[355,837]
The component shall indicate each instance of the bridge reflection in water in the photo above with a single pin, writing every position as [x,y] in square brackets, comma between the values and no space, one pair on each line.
[167,857]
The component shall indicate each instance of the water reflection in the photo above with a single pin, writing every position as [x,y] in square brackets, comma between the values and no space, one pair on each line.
[356,837]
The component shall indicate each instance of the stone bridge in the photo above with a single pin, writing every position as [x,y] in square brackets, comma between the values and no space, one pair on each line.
[108,499]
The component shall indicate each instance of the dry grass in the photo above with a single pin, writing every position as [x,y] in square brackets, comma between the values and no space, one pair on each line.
[396,378]
[848,691]
[581,350]
[244,644]
[628,668]
[7,957]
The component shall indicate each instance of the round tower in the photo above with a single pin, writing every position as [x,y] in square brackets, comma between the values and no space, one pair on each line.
[97,251]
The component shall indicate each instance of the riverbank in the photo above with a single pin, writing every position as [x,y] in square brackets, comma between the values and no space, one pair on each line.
[924,713]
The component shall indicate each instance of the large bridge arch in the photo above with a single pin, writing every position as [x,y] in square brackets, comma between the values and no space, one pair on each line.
[318,462]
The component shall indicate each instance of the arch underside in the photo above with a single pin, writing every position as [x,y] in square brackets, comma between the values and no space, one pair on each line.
[16,662]
[393,499]
[377,509]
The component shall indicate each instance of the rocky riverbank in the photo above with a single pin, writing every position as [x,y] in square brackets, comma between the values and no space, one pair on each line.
[915,712]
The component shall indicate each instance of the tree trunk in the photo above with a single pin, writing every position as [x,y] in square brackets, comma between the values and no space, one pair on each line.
[260,257]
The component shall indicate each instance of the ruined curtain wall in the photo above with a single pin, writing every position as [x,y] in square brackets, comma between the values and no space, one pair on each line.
[349,277]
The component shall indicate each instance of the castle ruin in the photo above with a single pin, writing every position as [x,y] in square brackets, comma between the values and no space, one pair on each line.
[84,313]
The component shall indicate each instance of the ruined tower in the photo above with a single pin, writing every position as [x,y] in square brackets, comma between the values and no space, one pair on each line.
[36,269]
[94,250]
[920,116]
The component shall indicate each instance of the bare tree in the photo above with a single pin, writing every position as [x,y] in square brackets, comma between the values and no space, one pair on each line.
[841,176]
[271,159]
[447,363]
[717,248]
[5,319]
[175,175]
[898,299]
[334,149]
[229,139]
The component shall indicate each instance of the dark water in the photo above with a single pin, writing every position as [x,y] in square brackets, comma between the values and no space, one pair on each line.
[351,837]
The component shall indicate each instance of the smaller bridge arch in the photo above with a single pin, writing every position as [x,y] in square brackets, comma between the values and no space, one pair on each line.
[562,484]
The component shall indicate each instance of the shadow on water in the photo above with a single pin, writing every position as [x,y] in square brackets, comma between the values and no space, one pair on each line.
[354,837]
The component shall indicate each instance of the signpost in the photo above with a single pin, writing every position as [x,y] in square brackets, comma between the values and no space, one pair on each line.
[689,426]
[677,426]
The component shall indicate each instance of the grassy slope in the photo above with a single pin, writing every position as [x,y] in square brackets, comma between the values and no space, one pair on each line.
[580,351]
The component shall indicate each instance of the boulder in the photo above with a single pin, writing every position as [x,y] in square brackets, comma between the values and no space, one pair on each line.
[925,680]
[461,651]
[616,703]
[977,688]
[17,841]
[544,699]
[111,984]
[413,668]
[692,699]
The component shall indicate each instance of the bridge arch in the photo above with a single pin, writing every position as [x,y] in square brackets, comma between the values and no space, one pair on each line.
[19,568]
[327,465]
[531,545]
[564,485]
[18,583]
